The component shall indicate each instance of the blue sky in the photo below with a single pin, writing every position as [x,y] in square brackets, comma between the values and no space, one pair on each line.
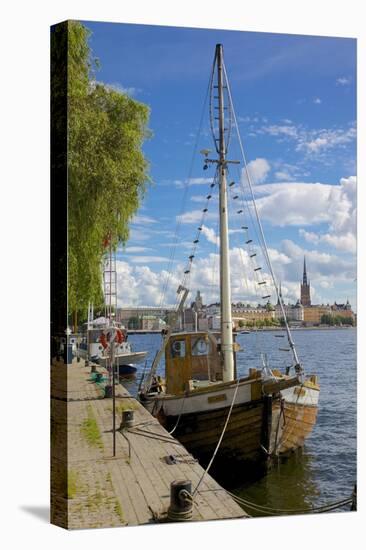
[295,102]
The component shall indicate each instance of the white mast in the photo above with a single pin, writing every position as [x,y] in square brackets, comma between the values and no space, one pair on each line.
[225,288]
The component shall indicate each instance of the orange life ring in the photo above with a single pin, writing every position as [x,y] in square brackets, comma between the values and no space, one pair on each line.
[120,337]
[103,340]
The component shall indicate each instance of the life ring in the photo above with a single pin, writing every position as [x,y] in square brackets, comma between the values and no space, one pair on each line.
[107,336]
[103,340]
[120,337]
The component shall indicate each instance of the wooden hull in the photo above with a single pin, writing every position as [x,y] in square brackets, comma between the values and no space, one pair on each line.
[240,451]
[292,423]
[258,430]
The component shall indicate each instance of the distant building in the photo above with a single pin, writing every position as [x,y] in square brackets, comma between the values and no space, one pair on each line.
[342,310]
[143,317]
[197,305]
[305,289]
[293,312]
[150,322]
[313,314]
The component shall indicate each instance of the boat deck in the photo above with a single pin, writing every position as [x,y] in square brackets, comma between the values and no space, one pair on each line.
[90,487]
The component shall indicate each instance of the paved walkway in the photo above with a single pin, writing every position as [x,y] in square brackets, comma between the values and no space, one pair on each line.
[90,487]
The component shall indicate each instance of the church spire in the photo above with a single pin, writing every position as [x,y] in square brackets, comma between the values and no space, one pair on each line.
[304,277]
[305,288]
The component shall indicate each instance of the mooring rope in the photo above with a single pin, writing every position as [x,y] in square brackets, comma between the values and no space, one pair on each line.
[220,439]
[279,511]
[179,417]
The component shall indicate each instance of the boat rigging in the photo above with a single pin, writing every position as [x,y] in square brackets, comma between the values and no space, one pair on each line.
[267,413]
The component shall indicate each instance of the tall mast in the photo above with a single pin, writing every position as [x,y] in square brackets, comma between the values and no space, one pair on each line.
[225,288]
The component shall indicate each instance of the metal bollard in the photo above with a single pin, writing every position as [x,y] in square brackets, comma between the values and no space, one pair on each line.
[108,390]
[181,501]
[93,369]
[127,419]
[68,354]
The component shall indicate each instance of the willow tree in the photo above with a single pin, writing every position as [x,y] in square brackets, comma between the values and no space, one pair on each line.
[107,171]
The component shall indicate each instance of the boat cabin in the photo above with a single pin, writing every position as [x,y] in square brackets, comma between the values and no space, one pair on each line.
[192,360]
[91,346]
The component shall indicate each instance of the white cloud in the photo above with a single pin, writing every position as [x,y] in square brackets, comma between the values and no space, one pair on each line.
[317,101]
[283,175]
[258,170]
[195,216]
[309,236]
[210,235]
[143,220]
[134,249]
[147,259]
[320,140]
[141,285]
[294,204]
[138,285]
[343,81]
[138,234]
[305,204]
[344,243]
[311,141]
[192,181]
[287,172]
[287,130]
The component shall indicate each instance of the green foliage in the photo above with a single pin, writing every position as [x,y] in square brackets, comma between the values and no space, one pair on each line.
[336,320]
[118,510]
[107,171]
[90,430]
[134,323]
[73,483]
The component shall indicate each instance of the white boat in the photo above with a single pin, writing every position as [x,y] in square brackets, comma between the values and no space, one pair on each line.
[92,348]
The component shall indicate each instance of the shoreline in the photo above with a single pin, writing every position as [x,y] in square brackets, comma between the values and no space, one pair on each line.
[264,329]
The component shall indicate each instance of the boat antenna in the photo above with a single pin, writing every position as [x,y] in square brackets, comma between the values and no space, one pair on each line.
[297,365]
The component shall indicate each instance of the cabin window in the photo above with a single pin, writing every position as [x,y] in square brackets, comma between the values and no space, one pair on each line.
[178,348]
[94,337]
[200,346]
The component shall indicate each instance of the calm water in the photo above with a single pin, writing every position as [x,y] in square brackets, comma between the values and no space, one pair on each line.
[325,470]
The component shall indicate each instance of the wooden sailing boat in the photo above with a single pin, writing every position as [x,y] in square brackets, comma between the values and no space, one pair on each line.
[242,421]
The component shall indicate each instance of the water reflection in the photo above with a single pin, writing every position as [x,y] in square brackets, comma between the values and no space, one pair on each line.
[289,485]
[325,470]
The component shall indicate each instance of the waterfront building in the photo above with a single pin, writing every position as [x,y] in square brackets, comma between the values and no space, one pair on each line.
[139,317]
[150,322]
[293,312]
[313,314]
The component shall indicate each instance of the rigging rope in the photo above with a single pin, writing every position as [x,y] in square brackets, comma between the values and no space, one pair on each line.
[265,249]
[186,186]
[187,270]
